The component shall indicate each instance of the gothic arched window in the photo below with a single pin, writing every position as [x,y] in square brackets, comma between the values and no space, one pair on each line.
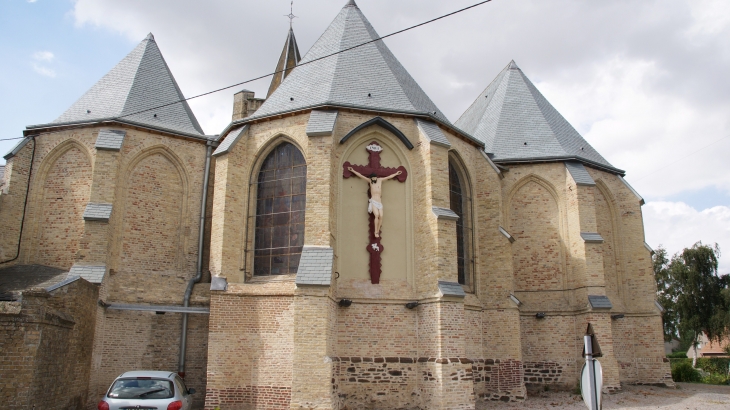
[280,204]
[459,202]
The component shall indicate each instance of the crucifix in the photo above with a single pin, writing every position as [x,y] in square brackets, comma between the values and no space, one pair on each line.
[375,174]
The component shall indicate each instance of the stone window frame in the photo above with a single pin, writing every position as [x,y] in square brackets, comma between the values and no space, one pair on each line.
[254,217]
[466,220]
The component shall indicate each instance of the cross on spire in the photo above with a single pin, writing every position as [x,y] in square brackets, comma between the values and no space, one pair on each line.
[291,14]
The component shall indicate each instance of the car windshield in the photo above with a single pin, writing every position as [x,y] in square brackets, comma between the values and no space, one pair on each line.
[141,389]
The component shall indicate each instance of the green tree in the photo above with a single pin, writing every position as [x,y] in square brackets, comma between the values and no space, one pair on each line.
[698,289]
[666,293]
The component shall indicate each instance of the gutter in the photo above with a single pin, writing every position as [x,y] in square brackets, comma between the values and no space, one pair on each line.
[325,105]
[101,121]
[199,274]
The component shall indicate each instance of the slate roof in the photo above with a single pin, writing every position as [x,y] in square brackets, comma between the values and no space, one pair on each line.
[432,132]
[111,140]
[579,173]
[230,141]
[517,124]
[94,274]
[315,266]
[591,237]
[444,213]
[97,212]
[15,279]
[16,149]
[141,81]
[368,77]
[451,289]
[599,302]
[321,123]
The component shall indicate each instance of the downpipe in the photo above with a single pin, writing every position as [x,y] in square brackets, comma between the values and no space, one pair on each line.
[199,274]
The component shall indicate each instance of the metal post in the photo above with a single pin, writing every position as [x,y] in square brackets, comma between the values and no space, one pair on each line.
[588,342]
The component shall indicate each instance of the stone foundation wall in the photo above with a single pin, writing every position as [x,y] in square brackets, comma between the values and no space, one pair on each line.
[498,380]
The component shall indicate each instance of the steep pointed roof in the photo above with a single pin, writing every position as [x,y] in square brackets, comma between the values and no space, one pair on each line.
[289,59]
[141,81]
[367,77]
[517,124]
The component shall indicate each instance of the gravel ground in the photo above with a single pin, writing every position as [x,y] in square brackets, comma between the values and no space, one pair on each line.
[686,396]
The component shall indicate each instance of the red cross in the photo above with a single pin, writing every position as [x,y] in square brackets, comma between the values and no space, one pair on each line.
[375,248]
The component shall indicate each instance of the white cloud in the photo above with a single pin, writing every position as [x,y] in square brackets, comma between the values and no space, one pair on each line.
[640,129]
[43,56]
[32,1]
[676,226]
[44,71]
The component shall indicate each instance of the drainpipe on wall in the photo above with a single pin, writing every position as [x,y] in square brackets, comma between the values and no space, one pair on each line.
[199,274]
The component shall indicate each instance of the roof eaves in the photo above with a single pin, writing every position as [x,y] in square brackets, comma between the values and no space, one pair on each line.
[112,120]
[332,105]
[13,152]
[492,164]
[639,197]
[593,164]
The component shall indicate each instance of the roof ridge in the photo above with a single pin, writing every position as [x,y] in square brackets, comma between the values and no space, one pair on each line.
[475,102]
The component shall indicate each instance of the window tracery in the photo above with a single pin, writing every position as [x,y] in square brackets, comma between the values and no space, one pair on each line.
[280,206]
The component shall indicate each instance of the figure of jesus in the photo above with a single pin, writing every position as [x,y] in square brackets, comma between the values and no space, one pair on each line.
[375,204]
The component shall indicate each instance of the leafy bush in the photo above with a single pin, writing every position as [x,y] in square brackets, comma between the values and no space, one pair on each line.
[677,355]
[717,365]
[684,372]
[715,378]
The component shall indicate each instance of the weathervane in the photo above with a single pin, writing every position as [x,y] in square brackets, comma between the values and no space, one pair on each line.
[291,14]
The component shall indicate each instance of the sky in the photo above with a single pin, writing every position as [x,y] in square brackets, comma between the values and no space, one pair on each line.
[644,81]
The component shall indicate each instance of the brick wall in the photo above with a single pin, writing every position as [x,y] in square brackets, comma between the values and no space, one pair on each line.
[251,342]
[45,343]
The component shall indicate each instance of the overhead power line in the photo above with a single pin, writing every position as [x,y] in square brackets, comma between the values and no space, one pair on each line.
[311,61]
[681,159]
[298,65]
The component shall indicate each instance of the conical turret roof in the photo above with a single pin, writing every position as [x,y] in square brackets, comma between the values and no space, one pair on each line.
[517,124]
[289,59]
[141,81]
[367,77]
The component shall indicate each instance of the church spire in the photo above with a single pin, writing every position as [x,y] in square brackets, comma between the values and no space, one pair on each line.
[289,58]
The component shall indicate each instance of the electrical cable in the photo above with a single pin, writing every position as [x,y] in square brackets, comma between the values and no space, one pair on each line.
[298,65]
[681,159]
[311,61]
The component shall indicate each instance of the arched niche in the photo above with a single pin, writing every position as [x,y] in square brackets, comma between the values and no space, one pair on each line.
[150,216]
[353,223]
[66,175]
[535,221]
[608,228]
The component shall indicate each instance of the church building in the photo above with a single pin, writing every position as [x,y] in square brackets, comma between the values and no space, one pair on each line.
[341,244]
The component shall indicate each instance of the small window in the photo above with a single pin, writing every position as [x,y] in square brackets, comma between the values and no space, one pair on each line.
[280,206]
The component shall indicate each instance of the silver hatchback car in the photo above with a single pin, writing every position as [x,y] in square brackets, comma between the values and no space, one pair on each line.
[148,390]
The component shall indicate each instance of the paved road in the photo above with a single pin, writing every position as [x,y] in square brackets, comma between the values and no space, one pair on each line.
[689,396]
